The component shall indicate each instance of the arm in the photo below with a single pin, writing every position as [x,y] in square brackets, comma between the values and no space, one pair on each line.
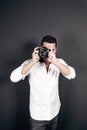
[22,71]
[64,68]
[34,60]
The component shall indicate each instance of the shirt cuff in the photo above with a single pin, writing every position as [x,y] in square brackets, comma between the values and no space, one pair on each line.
[16,74]
[72,75]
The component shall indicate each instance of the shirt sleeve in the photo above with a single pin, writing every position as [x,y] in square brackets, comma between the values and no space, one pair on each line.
[16,74]
[72,75]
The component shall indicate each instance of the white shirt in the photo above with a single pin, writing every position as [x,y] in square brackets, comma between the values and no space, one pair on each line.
[44,93]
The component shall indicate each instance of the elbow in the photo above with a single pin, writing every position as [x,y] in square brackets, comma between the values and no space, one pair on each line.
[72,74]
[16,75]
[13,78]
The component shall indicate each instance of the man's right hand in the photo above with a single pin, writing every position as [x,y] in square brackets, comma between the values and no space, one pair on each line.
[34,60]
[35,56]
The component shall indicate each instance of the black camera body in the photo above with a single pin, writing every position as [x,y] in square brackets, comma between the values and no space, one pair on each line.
[43,53]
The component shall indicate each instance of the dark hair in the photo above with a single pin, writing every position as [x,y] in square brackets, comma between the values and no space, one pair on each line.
[49,39]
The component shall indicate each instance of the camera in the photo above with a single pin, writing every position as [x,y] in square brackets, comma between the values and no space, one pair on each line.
[43,53]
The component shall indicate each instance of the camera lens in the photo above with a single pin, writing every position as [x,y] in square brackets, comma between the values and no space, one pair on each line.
[43,53]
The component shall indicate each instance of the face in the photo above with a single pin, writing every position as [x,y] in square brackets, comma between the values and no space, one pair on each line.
[51,46]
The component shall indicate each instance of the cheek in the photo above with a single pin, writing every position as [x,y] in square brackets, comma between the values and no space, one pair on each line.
[55,51]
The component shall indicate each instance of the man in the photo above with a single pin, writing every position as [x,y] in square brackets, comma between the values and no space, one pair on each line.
[44,79]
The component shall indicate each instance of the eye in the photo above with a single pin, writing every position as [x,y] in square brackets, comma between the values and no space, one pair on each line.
[53,50]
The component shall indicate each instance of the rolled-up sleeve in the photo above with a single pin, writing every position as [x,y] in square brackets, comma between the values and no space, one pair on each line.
[72,74]
[16,74]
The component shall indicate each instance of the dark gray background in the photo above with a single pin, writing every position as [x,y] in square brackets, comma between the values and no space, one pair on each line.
[22,26]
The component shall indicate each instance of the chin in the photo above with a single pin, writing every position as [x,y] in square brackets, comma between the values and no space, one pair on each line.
[46,60]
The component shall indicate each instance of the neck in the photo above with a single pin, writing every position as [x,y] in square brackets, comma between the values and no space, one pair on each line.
[47,65]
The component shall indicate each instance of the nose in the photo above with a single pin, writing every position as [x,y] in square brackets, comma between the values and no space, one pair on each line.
[51,50]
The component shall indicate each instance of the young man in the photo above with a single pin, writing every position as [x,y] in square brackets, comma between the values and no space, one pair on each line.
[44,79]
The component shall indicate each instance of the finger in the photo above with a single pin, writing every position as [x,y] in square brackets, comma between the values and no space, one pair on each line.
[35,52]
[37,57]
[35,49]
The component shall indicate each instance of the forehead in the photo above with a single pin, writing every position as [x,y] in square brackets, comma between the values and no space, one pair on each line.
[49,45]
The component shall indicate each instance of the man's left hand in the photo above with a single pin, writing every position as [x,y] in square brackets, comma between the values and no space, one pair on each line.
[51,57]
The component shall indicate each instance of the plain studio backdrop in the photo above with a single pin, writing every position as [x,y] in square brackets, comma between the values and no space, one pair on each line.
[22,26]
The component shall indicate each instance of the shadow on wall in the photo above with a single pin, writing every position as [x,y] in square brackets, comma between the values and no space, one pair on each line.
[14,97]
[73,94]
[14,59]
[67,87]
